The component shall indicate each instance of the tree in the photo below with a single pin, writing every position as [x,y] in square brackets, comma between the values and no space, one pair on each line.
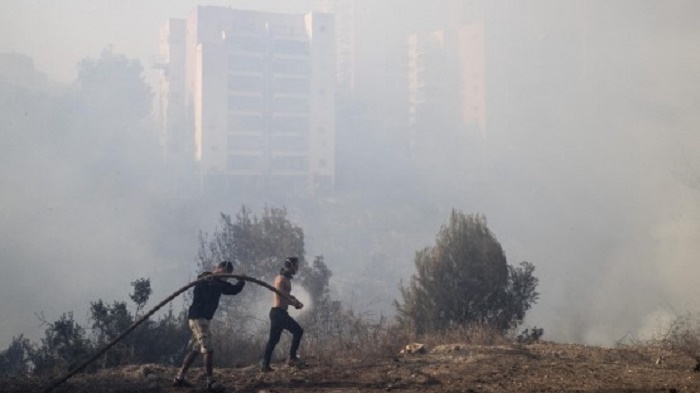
[323,315]
[14,360]
[113,86]
[163,341]
[521,293]
[63,347]
[256,246]
[156,341]
[316,278]
[463,279]
[108,323]
[142,292]
[111,130]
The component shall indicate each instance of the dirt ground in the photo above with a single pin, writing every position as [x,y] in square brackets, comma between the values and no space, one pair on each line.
[539,367]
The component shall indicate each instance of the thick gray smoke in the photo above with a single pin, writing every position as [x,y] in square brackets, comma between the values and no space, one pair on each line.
[581,168]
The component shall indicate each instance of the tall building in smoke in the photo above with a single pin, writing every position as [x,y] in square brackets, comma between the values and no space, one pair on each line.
[446,77]
[447,98]
[171,94]
[344,15]
[499,73]
[259,97]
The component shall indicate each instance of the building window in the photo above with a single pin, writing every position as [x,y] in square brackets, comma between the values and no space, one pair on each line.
[245,44]
[298,124]
[288,143]
[245,64]
[245,123]
[245,103]
[291,66]
[245,83]
[241,162]
[285,104]
[291,85]
[289,163]
[244,142]
[290,47]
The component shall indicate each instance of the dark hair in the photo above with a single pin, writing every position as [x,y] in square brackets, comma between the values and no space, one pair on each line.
[291,261]
[226,265]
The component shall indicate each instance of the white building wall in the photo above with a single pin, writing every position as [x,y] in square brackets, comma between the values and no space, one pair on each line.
[172,116]
[473,63]
[212,107]
[241,102]
[321,29]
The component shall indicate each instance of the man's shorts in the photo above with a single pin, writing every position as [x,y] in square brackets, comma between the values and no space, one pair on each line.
[201,338]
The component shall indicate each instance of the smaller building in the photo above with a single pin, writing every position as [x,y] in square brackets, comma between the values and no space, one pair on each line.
[446,81]
[18,69]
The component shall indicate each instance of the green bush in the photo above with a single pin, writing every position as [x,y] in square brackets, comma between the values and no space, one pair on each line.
[464,279]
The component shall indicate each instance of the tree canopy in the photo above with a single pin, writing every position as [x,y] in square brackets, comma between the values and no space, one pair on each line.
[464,279]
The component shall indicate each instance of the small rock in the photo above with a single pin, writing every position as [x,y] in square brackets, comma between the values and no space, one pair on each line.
[414,348]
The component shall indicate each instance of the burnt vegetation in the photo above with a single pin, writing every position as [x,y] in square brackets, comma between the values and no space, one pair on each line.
[463,290]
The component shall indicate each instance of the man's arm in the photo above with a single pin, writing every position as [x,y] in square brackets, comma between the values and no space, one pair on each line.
[232,289]
[296,303]
[288,291]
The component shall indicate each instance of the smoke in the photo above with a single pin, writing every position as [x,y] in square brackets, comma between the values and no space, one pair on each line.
[613,229]
[590,130]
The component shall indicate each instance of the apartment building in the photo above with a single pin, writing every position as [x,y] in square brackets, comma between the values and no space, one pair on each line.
[260,99]
[171,93]
[446,81]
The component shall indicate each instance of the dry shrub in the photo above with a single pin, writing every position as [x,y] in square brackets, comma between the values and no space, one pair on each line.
[683,335]
[233,348]
[350,337]
[332,335]
[471,334]
[680,336]
[342,336]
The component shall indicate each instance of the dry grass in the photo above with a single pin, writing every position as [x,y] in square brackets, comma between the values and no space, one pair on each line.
[363,340]
[472,335]
[680,336]
[351,337]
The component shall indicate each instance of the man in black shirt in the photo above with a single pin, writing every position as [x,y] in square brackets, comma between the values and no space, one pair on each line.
[204,303]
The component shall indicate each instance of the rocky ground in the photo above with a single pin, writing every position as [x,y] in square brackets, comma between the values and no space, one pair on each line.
[540,367]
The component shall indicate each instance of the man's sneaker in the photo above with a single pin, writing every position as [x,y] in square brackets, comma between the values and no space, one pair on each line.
[265,368]
[181,383]
[214,386]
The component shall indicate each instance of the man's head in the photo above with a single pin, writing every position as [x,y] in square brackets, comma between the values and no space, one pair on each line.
[224,267]
[291,265]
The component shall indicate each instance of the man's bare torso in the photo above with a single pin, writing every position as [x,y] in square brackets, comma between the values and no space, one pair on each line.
[284,285]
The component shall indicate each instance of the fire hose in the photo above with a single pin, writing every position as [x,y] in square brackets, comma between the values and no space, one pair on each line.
[147,315]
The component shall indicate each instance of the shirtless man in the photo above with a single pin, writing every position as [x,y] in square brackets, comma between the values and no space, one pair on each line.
[280,319]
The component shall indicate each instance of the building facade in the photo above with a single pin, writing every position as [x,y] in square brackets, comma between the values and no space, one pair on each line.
[260,99]
[446,81]
[171,93]
[447,132]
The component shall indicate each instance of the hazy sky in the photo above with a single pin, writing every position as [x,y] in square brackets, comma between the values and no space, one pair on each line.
[59,34]
[592,123]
